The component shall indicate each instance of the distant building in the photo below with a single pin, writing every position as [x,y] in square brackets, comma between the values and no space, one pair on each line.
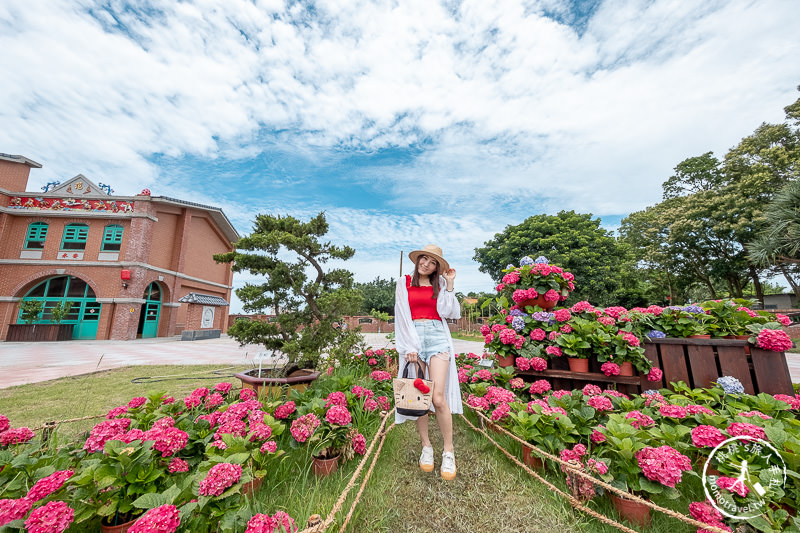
[132,266]
[780,301]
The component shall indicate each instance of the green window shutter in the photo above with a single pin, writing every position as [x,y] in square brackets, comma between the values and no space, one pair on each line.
[75,236]
[37,233]
[112,238]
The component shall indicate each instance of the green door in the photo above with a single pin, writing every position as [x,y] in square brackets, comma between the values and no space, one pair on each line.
[151,310]
[85,310]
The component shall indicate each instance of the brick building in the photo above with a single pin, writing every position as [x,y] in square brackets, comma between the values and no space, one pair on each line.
[131,266]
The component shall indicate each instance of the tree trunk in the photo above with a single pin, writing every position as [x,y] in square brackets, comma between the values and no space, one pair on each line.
[792,283]
[757,285]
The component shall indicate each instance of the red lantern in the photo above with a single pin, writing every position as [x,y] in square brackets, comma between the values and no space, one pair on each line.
[125,274]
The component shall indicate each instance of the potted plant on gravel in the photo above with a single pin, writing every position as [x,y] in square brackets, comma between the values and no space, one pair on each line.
[308,301]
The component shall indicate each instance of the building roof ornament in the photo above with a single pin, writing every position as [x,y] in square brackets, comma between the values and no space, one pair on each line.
[204,299]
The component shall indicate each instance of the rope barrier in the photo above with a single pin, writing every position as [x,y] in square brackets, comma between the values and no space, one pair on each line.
[324,525]
[579,472]
[52,424]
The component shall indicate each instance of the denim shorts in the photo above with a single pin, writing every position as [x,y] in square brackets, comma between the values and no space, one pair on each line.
[432,338]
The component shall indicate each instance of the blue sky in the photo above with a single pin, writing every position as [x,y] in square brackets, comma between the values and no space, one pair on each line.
[406,122]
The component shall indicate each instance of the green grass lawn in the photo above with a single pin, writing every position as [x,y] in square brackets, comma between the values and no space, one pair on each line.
[467,336]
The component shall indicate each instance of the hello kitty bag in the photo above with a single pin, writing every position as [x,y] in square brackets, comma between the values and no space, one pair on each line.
[412,396]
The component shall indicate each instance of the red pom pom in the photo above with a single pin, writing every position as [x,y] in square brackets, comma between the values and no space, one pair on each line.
[424,389]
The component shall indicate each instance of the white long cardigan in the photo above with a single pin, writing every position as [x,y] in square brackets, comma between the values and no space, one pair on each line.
[406,340]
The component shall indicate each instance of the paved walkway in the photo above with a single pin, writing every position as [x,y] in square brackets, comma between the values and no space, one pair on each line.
[32,362]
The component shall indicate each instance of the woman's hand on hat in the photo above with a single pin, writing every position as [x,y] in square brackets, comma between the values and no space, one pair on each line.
[412,357]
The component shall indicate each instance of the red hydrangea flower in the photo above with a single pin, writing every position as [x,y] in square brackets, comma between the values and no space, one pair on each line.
[538,364]
[640,420]
[707,436]
[104,431]
[793,401]
[219,478]
[733,485]
[359,444]
[501,412]
[560,393]
[592,390]
[260,523]
[562,315]
[774,339]
[704,512]
[655,374]
[555,351]
[48,485]
[11,510]
[117,411]
[664,464]
[370,405]
[214,400]
[498,395]
[163,519]
[477,402]
[738,429]
[381,375]
[137,402]
[284,523]
[697,409]
[610,369]
[269,447]
[53,517]
[482,374]
[538,334]
[16,436]
[338,415]
[303,427]
[4,424]
[247,394]
[285,410]
[384,402]
[673,411]
[601,403]
[178,465]
[540,387]
[516,383]
[597,437]
[259,431]
[223,387]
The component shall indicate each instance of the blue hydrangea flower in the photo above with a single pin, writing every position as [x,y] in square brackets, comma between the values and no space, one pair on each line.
[518,323]
[730,385]
[694,309]
[655,334]
[517,312]
[541,260]
[525,261]
[649,392]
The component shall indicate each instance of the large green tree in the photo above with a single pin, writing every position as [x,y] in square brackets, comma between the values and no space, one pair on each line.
[377,294]
[574,241]
[308,300]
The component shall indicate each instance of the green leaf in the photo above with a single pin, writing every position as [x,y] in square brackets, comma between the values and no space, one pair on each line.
[761,524]
[150,500]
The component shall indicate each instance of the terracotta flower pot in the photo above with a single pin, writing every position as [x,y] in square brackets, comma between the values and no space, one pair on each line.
[325,466]
[252,486]
[119,528]
[539,300]
[626,369]
[530,459]
[577,364]
[746,346]
[634,512]
[699,336]
[505,360]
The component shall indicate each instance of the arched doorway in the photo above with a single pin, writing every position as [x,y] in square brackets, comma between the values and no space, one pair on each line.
[151,311]
[85,310]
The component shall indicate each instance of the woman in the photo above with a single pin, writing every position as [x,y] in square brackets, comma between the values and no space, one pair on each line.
[422,303]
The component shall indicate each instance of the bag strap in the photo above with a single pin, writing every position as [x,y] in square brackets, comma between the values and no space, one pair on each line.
[420,371]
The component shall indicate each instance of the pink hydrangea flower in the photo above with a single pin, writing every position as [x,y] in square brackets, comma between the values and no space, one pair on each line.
[117,411]
[663,464]
[758,414]
[606,320]
[498,395]
[597,436]
[610,369]
[359,444]
[478,402]
[508,336]
[336,398]
[48,485]
[259,431]
[500,287]
[655,374]
[163,519]
[104,431]
[538,334]
[601,403]
[53,517]
[481,375]
[284,523]
[178,465]
[640,420]
[137,402]
[384,402]
[553,335]
[774,339]
[538,364]
[733,485]
[551,296]
[704,512]
[381,375]
[592,390]
[16,436]
[540,387]
[707,436]
[560,393]
[223,387]
[500,412]
[554,351]
[738,429]
[697,409]
[566,328]
[219,478]
[783,320]
[793,401]
[581,307]
[303,427]
[168,440]
[517,383]
[631,339]
[338,415]
[269,447]
[214,400]
[485,330]
[562,315]
[285,410]
[370,405]
[673,411]
[511,278]
[4,424]
[247,394]
[11,510]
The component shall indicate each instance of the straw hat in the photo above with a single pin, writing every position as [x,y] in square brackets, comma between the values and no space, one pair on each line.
[431,250]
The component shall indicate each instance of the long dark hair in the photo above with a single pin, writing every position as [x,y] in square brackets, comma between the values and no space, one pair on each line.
[434,277]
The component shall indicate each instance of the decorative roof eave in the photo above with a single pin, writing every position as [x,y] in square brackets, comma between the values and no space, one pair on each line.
[216,213]
[203,299]
[20,159]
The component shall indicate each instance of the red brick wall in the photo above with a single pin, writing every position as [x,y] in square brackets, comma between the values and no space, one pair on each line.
[163,242]
[13,176]
[202,241]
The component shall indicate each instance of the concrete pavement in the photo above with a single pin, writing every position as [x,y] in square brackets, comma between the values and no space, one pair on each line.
[32,362]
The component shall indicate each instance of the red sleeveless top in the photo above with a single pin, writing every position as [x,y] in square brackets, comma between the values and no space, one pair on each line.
[421,302]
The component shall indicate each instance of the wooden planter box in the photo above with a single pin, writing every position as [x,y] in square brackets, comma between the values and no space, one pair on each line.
[39,332]
[696,362]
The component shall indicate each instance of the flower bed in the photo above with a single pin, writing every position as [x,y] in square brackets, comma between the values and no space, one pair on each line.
[187,464]
[660,443]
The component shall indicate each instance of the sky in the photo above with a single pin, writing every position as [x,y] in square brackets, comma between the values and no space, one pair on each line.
[407,122]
